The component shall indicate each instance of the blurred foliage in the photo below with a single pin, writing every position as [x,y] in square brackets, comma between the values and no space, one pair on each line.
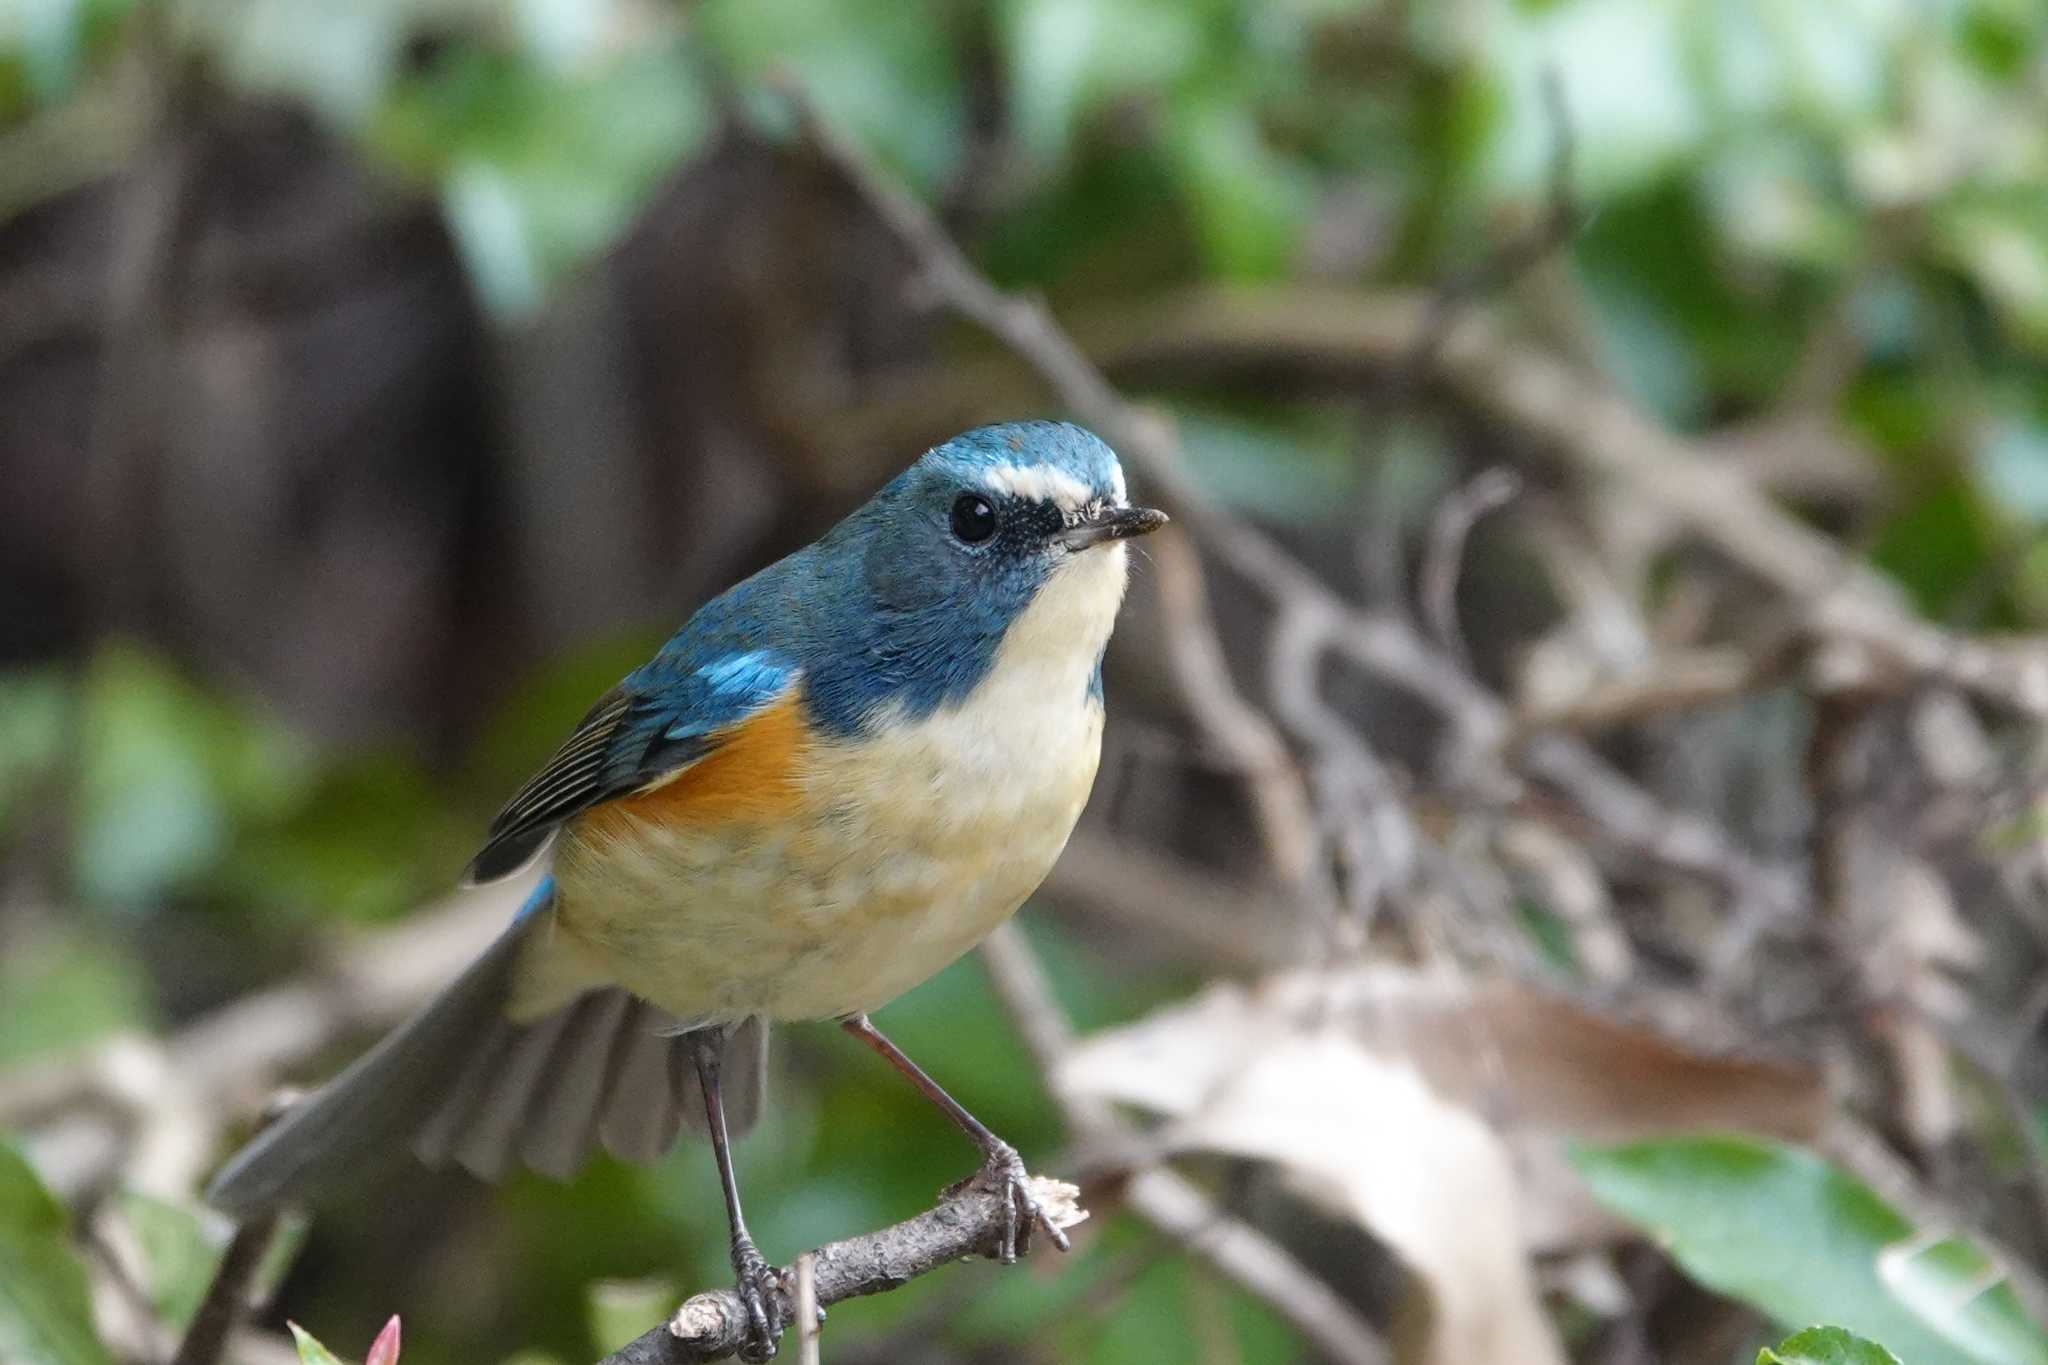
[178,1254]
[1758,179]
[1826,1346]
[45,1318]
[1781,1229]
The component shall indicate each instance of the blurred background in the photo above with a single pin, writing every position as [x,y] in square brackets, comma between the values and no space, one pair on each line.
[1569,873]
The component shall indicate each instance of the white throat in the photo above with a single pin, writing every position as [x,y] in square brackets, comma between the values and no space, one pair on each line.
[1068,623]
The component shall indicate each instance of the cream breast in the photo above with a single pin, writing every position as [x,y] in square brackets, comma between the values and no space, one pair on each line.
[909,845]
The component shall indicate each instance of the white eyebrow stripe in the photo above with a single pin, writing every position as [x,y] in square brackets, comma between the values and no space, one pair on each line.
[1039,483]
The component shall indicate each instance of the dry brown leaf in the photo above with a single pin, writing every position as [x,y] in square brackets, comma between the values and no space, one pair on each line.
[1434,1114]
[1917,948]
[1524,1058]
[1373,1142]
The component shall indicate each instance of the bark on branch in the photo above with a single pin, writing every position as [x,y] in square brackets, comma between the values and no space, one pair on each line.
[964,1225]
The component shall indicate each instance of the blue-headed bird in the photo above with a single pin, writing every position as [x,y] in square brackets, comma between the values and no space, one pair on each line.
[834,780]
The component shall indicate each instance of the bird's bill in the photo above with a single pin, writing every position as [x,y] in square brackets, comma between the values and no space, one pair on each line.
[1099,527]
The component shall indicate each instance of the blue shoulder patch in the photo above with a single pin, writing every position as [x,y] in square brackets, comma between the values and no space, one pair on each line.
[542,894]
[722,691]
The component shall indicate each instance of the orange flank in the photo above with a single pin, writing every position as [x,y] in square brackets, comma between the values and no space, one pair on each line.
[750,774]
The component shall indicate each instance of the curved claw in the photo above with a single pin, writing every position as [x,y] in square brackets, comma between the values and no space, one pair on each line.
[760,1289]
[1022,1211]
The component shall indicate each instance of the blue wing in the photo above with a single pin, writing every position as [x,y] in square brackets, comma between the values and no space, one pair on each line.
[666,715]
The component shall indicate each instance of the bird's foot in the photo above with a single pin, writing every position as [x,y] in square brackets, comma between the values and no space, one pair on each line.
[762,1293]
[1023,1211]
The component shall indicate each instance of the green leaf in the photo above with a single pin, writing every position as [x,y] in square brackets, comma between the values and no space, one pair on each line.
[541,172]
[621,1310]
[1937,545]
[55,41]
[34,710]
[1826,1346]
[178,1255]
[45,1308]
[884,71]
[1784,1231]
[165,773]
[1635,108]
[1297,464]
[2012,466]
[2001,243]
[1067,58]
[311,1352]
[336,59]
[364,844]
[64,989]
[1249,201]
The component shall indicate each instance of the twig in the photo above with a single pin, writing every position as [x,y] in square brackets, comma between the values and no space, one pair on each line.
[1372,837]
[1232,1248]
[1445,556]
[807,1309]
[1519,255]
[969,1224]
[223,1063]
[1868,1157]
[1381,643]
[1577,423]
[1232,724]
[1179,906]
[1673,682]
[228,1296]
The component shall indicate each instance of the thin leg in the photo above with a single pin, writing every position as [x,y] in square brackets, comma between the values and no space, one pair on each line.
[760,1285]
[1003,1166]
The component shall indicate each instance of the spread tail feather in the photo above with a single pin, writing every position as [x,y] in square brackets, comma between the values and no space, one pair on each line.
[462,1082]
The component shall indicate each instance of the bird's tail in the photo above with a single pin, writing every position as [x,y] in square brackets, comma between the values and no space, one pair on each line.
[462,1082]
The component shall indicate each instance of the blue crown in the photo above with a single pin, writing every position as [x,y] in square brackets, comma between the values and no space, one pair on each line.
[1060,447]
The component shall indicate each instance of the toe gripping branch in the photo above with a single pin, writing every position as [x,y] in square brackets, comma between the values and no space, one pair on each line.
[972,1221]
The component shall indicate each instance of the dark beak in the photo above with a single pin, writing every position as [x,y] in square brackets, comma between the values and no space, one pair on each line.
[1111,523]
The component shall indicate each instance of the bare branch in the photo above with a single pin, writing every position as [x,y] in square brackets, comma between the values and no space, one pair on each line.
[1236,727]
[227,1297]
[1677,682]
[807,1309]
[968,1224]
[1231,1247]
[1521,254]
[1381,643]
[1441,565]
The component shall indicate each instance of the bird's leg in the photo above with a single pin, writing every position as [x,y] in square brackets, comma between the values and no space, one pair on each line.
[1003,1168]
[760,1284]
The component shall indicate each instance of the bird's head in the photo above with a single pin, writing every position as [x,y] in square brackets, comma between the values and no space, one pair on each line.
[1010,535]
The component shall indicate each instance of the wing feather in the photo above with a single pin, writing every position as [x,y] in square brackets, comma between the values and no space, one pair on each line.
[661,719]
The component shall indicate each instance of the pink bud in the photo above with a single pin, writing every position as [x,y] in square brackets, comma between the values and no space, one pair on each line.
[384,1350]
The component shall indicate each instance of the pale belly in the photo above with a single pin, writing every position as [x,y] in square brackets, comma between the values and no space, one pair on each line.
[900,855]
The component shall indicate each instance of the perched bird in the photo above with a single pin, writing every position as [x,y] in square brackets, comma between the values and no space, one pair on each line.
[834,780]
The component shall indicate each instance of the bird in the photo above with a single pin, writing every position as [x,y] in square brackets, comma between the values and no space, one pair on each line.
[836,778]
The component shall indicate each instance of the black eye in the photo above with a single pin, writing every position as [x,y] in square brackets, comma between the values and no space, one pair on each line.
[973,519]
